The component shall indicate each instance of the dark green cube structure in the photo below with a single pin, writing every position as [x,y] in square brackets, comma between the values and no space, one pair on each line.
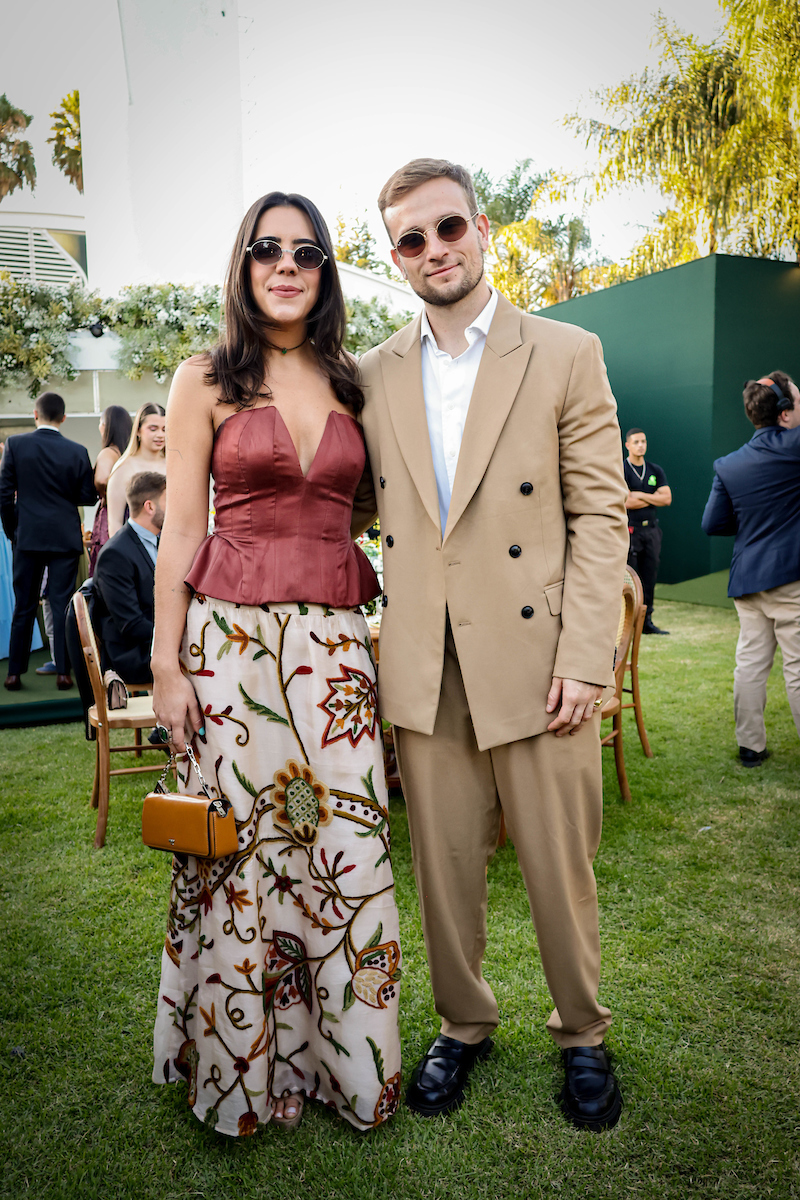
[679,346]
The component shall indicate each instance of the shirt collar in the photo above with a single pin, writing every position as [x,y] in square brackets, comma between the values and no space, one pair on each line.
[42,428]
[479,327]
[145,534]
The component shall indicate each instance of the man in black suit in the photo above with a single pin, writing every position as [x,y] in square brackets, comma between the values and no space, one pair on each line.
[756,497]
[123,609]
[43,478]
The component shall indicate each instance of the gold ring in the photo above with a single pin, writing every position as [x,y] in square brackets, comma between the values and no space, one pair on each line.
[598,703]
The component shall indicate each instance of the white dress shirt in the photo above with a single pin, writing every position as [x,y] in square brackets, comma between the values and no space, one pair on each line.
[148,539]
[447,384]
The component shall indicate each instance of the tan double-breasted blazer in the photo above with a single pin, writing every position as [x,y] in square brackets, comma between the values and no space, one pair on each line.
[531,563]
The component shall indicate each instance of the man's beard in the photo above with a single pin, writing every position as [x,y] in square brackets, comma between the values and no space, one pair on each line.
[443,297]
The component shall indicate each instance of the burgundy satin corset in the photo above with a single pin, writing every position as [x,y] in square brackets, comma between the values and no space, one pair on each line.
[280,535]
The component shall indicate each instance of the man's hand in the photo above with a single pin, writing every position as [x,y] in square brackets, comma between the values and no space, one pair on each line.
[575,702]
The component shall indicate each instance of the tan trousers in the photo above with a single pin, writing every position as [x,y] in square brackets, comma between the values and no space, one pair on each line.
[550,790]
[766,620]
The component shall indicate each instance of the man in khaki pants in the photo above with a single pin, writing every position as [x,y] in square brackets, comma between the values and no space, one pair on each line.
[756,496]
[495,450]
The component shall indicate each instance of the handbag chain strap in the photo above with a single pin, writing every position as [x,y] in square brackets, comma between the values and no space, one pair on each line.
[162,783]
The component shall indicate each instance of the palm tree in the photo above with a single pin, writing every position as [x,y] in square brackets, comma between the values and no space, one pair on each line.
[717,130]
[66,139]
[17,167]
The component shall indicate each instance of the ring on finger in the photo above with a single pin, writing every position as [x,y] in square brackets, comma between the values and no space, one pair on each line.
[164,733]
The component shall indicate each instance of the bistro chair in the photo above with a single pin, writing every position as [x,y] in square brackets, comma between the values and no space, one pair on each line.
[613,707]
[629,610]
[389,757]
[137,716]
[633,663]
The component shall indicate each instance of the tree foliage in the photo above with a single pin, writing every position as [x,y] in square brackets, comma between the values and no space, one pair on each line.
[509,200]
[17,166]
[162,324]
[369,322]
[533,259]
[717,128]
[35,323]
[66,139]
[356,246]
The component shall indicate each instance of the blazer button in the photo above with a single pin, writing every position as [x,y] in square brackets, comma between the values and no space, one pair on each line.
[383,482]
[389,541]
[527,612]
[385,601]
[525,488]
[515,551]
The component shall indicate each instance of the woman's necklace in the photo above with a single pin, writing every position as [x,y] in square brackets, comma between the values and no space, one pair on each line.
[635,469]
[286,349]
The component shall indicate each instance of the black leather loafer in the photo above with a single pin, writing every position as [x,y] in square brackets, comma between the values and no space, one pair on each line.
[590,1098]
[440,1077]
[752,758]
[649,627]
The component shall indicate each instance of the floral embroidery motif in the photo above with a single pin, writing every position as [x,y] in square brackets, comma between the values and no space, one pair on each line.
[389,1099]
[302,802]
[351,705]
[268,984]
[375,975]
[287,979]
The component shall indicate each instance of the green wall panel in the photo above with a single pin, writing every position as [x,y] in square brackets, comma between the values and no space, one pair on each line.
[679,345]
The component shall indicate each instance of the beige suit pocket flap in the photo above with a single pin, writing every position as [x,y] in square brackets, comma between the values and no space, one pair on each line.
[554,595]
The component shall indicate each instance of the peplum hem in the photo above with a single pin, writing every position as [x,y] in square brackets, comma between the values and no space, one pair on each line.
[222,570]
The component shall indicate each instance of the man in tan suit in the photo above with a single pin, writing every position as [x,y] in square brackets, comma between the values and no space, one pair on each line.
[495,450]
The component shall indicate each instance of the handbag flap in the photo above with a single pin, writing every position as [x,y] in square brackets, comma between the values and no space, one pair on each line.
[177,823]
[186,824]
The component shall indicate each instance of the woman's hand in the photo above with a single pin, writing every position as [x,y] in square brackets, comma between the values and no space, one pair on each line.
[176,708]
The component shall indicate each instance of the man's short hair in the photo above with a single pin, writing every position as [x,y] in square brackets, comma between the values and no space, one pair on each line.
[421,170]
[761,403]
[631,432]
[147,485]
[50,407]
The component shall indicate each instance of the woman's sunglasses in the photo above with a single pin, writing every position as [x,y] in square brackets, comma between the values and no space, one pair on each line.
[307,258]
[449,229]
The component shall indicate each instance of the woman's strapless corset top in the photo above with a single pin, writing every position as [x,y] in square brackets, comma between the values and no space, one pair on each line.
[279,534]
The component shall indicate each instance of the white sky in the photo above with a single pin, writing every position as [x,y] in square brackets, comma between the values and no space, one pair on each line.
[357,88]
[484,84]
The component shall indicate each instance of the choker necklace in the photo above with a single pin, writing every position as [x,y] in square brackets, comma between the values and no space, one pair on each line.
[286,349]
[636,469]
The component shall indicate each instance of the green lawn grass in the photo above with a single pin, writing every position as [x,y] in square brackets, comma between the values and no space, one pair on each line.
[700,904]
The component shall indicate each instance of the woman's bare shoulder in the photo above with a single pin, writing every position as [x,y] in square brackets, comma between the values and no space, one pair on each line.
[194,370]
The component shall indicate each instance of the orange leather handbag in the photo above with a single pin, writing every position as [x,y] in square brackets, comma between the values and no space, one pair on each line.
[203,826]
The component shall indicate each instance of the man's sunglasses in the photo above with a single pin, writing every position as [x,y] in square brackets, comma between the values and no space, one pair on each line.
[308,257]
[449,229]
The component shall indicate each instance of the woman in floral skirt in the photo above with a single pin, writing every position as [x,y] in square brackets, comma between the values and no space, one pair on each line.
[281,962]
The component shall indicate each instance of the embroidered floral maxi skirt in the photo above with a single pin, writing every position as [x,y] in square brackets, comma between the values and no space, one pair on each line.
[281,963]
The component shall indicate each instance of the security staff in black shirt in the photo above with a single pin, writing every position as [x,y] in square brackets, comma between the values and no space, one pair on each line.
[648,490]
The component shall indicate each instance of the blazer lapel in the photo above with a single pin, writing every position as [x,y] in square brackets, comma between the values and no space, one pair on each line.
[503,364]
[402,377]
[144,557]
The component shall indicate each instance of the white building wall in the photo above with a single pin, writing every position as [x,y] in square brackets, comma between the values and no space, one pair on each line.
[162,142]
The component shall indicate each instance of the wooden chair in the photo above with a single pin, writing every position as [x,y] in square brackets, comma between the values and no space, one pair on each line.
[389,756]
[613,707]
[138,715]
[633,662]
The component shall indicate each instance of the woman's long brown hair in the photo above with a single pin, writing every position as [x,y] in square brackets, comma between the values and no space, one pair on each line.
[237,361]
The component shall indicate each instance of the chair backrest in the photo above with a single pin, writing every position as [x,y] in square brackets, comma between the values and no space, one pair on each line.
[627,618]
[91,653]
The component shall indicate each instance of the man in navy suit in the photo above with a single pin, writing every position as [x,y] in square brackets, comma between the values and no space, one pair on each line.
[756,497]
[123,610]
[44,477]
